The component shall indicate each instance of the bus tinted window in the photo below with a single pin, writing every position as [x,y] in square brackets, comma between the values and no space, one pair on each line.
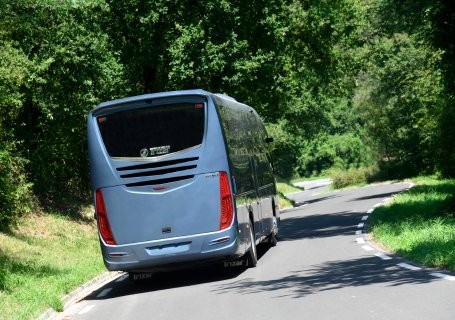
[152,131]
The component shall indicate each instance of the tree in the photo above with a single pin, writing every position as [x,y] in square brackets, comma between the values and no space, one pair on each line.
[16,197]
[70,68]
[400,92]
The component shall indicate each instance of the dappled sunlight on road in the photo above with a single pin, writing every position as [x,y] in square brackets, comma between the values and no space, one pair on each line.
[332,275]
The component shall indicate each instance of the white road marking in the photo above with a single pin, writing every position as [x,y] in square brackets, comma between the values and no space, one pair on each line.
[360,240]
[383,256]
[443,276]
[367,248]
[358,232]
[87,309]
[364,218]
[408,266]
[104,293]
[360,225]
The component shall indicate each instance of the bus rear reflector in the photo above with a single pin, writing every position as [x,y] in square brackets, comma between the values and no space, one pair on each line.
[103,222]
[227,209]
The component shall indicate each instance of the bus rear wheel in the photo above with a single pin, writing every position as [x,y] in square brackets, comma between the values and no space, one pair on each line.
[251,257]
[273,240]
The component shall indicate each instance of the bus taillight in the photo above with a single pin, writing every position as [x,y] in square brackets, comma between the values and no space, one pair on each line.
[103,222]
[227,209]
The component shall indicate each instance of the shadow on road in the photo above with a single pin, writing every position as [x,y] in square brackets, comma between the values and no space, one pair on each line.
[375,196]
[172,279]
[318,226]
[329,276]
[311,201]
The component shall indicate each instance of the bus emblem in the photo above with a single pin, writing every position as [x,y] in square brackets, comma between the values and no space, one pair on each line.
[144,153]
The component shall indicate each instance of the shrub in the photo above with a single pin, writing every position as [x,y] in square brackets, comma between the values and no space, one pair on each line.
[340,152]
[16,198]
[284,149]
[341,179]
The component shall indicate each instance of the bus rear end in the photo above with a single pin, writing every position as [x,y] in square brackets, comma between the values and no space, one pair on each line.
[161,182]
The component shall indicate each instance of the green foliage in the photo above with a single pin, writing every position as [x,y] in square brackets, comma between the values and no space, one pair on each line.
[14,71]
[353,177]
[16,198]
[446,158]
[284,149]
[222,46]
[404,90]
[70,67]
[398,98]
[340,152]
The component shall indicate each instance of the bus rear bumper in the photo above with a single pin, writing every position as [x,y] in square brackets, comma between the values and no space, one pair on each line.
[156,255]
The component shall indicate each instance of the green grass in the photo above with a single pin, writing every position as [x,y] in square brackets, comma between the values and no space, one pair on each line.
[420,224]
[42,260]
[284,188]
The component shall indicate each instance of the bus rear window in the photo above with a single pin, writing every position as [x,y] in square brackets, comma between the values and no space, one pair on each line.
[152,131]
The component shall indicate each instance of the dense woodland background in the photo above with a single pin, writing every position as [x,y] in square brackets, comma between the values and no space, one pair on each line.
[341,84]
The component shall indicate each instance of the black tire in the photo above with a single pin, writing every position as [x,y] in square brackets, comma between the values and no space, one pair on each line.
[273,240]
[251,257]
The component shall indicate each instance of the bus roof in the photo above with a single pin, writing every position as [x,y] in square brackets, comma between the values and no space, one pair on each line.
[152,96]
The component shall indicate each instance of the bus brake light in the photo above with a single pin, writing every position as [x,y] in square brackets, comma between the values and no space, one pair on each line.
[103,221]
[227,209]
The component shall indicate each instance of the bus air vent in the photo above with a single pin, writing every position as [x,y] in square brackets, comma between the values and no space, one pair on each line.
[157,172]
[153,165]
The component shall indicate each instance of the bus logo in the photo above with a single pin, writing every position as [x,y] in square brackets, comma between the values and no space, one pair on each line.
[144,153]
[155,151]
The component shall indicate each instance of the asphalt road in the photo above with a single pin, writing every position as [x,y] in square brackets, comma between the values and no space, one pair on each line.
[322,268]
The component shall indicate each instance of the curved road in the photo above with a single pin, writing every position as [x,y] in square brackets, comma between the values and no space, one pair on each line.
[322,268]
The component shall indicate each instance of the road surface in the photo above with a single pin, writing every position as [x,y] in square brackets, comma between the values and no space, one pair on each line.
[323,267]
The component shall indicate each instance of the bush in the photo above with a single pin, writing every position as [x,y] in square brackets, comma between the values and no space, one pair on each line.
[16,198]
[340,152]
[284,149]
[341,179]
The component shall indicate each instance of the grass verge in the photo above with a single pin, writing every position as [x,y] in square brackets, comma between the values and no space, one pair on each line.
[420,224]
[284,188]
[44,258]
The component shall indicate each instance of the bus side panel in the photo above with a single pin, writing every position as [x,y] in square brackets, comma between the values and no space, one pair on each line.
[245,138]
